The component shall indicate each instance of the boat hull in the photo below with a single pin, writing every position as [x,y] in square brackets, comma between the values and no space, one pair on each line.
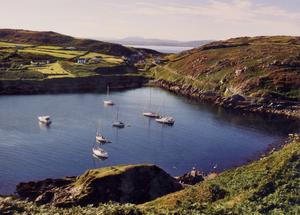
[151,115]
[109,103]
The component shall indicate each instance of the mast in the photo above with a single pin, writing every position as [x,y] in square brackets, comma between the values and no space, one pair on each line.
[107,91]
[150,99]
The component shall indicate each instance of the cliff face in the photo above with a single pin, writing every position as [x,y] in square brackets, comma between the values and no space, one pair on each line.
[123,184]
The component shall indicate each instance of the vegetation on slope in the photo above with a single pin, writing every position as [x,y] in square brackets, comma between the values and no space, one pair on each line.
[55,39]
[268,186]
[253,67]
[16,62]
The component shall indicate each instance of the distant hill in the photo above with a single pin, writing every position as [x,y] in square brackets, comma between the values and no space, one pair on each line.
[158,42]
[56,39]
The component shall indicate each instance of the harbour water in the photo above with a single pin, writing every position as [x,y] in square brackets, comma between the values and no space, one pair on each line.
[202,136]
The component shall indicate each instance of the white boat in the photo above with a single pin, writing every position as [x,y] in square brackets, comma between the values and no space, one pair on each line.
[45,120]
[101,139]
[108,101]
[150,114]
[117,123]
[98,152]
[166,120]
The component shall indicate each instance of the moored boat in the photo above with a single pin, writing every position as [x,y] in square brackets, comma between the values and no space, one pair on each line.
[108,102]
[166,120]
[99,152]
[45,120]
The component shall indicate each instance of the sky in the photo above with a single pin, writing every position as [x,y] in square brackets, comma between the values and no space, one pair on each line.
[165,19]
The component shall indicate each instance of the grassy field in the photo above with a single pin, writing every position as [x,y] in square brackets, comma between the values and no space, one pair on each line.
[63,62]
[52,70]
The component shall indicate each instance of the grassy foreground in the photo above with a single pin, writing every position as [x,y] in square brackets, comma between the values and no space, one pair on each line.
[270,185]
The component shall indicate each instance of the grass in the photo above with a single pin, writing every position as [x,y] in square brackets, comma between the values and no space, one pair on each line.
[54,53]
[53,70]
[12,45]
[62,68]
[268,186]
[207,69]
[103,172]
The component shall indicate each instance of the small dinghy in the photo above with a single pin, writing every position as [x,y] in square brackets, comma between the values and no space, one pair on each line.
[98,152]
[166,120]
[45,120]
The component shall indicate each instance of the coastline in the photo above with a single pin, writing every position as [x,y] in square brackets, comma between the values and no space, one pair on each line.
[236,102]
[91,84]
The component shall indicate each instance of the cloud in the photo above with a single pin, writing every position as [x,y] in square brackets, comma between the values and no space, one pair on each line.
[221,11]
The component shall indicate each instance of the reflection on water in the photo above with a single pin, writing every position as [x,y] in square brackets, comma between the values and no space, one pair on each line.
[202,136]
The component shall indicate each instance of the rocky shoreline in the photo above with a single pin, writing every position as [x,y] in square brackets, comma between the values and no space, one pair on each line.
[91,84]
[96,84]
[290,109]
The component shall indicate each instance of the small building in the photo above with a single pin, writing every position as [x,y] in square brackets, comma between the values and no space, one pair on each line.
[70,48]
[82,60]
[97,59]
[39,62]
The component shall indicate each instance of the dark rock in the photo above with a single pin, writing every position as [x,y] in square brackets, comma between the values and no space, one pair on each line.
[191,178]
[44,198]
[125,184]
[32,190]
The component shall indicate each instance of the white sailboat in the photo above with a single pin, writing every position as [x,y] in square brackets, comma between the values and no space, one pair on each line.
[101,139]
[150,113]
[45,120]
[117,123]
[166,120]
[108,101]
[99,152]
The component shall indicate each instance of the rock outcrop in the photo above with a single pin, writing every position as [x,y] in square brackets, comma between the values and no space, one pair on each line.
[124,184]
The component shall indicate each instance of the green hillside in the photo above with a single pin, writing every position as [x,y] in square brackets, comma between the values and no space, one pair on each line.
[249,66]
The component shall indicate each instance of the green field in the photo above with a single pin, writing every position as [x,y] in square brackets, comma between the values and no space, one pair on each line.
[63,62]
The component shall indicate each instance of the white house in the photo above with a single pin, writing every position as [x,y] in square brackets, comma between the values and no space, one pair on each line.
[82,60]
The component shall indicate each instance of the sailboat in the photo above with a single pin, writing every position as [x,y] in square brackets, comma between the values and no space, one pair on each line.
[100,138]
[99,152]
[45,120]
[150,113]
[108,101]
[117,123]
[168,120]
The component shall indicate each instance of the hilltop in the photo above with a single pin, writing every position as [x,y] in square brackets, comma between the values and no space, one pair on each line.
[50,38]
[260,70]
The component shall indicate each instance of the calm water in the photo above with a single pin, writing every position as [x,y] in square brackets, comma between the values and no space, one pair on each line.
[202,135]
